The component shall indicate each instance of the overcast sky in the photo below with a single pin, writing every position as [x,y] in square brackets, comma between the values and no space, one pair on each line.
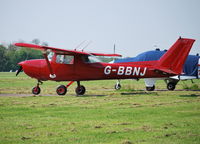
[134,26]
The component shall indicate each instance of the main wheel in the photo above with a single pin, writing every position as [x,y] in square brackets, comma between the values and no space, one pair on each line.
[171,86]
[61,90]
[118,86]
[36,90]
[80,90]
[150,88]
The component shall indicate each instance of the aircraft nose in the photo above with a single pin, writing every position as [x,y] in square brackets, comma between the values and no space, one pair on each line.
[20,68]
[21,63]
[31,68]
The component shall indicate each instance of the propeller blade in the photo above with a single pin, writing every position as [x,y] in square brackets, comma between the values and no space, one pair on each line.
[19,70]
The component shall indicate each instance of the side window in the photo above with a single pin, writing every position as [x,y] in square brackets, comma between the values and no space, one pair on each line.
[65,59]
[90,59]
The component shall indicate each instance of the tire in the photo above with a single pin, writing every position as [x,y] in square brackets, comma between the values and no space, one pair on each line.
[150,88]
[61,90]
[171,86]
[80,90]
[118,86]
[36,90]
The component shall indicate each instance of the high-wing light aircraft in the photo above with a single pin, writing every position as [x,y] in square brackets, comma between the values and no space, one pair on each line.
[191,69]
[73,65]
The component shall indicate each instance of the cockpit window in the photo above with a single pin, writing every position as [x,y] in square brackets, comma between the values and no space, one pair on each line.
[90,59]
[65,59]
[50,56]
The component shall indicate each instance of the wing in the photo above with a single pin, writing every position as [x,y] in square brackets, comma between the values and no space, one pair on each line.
[63,51]
[44,48]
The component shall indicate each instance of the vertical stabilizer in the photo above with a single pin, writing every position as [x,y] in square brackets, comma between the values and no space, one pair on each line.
[173,60]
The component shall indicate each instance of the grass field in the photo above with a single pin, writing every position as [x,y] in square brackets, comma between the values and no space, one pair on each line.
[102,115]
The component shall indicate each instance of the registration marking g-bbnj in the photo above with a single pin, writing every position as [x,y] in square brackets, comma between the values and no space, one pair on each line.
[122,70]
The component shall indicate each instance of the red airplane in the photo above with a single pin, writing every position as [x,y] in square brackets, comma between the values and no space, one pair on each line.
[73,65]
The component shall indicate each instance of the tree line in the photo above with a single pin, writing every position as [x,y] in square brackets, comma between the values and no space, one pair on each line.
[11,55]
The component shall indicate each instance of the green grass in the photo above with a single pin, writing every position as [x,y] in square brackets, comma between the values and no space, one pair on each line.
[103,115]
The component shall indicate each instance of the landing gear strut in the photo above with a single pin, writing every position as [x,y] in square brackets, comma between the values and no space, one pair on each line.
[118,85]
[36,90]
[80,90]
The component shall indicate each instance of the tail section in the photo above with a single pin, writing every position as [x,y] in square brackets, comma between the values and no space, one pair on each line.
[173,60]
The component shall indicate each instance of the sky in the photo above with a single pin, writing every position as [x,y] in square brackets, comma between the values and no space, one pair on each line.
[134,26]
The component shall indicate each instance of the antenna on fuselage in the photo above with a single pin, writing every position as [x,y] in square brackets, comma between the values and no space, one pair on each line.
[79,45]
[114,48]
[114,58]
[87,45]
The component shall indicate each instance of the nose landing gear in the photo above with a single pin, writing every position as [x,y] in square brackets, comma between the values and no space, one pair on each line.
[36,90]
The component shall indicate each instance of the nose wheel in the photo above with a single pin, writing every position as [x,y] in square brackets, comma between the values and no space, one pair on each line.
[36,90]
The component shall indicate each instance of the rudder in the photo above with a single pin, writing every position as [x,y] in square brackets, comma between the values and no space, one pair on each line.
[172,61]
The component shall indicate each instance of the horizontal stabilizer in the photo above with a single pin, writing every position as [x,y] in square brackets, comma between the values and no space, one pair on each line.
[183,77]
[166,71]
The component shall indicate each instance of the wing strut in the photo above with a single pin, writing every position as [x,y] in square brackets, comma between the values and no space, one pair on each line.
[52,74]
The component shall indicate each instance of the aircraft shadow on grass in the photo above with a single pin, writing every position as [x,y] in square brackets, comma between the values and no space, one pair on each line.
[139,93]
[191,95]
[91,95]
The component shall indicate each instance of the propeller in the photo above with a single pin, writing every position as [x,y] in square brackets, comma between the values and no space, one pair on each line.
[19,70]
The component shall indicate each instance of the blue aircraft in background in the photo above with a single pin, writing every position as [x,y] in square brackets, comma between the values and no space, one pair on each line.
[191,69]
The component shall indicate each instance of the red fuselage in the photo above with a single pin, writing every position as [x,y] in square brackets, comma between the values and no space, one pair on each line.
[79,69]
